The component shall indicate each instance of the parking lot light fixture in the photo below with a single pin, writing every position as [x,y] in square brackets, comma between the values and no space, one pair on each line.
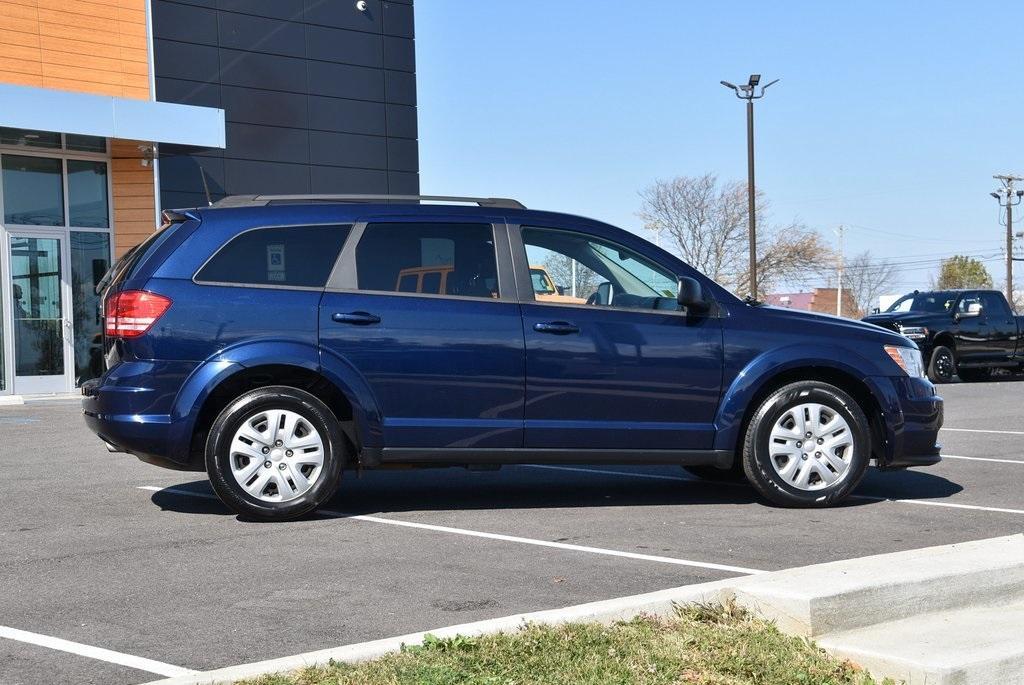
[750,92]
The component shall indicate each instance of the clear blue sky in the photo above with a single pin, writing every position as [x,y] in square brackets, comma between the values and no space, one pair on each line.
[890,117]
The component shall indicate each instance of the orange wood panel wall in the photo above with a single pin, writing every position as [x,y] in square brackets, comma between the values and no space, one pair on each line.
[87,46]
[134,204]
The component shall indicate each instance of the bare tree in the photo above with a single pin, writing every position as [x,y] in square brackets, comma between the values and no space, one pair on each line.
[560,268]
[867,278]
[705,223]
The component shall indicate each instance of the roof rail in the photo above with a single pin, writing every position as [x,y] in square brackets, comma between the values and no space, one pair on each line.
[263,200]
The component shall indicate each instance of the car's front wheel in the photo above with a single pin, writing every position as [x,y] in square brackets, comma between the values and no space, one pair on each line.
[942,366]
[275,453]
[807,445]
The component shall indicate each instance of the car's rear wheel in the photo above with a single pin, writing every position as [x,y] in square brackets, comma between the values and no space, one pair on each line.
[275,453]
[942,366]
[975,375]
[807,445]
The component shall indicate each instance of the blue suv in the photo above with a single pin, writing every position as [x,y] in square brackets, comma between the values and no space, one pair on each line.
[276,341]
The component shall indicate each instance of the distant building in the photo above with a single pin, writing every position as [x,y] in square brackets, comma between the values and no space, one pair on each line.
[822,300]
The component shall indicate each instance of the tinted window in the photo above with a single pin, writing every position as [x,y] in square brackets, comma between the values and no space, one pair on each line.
[597,272]
[27,138]
[87,194]
[967,300]
[300,256]
[33,190]
[994,305]
[453,259]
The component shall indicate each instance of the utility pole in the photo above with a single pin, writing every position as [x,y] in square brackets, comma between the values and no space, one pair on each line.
[1009,198]
[839,290]
[748,92]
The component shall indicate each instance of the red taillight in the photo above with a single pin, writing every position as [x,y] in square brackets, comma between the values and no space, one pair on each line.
[131,313]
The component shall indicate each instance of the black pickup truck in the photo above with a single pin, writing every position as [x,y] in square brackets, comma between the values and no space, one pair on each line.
[962,332]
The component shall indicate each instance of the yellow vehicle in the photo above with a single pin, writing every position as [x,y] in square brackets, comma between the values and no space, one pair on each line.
[434,280]
[424,279]
[544,288]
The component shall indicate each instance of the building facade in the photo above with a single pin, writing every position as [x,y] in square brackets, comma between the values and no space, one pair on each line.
[115,109]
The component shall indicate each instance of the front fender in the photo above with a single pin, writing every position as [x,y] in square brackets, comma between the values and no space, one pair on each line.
[762,369]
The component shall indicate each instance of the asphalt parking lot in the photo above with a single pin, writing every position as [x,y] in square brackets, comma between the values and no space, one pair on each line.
[105,551]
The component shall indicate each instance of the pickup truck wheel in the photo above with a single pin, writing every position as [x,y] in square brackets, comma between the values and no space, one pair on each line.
[275,454]
[977,375]
[942,365]
[807,445]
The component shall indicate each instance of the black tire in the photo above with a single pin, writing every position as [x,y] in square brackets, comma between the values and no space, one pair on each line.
[942,365]
[757,459]
[975,375]
[218,453]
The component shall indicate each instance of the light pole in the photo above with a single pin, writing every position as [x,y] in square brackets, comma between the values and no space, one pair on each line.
[749,93]
[1009,198]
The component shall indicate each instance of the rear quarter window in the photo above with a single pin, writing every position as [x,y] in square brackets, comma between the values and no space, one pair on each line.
[292,256]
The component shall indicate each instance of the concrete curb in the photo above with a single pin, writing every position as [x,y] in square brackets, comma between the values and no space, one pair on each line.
[658,603]
[866,597]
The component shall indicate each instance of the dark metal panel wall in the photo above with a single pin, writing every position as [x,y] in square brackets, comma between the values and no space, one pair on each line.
[318,96]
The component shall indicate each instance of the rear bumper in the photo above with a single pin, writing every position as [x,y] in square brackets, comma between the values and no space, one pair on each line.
[131,409]
[912,417]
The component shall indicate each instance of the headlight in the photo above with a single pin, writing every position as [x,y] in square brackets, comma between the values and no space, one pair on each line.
[914,332]
[908,359]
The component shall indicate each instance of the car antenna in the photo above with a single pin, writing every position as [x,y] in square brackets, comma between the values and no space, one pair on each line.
[206,188]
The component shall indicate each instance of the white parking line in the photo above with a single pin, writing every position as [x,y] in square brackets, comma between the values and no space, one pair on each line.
[979,430]
[136,662]
[999,461]
[930,503]
[503,538]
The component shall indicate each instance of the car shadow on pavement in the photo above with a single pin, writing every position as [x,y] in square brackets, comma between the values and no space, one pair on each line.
[456,489]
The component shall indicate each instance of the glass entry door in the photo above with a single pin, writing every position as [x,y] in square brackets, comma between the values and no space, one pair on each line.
[40,320]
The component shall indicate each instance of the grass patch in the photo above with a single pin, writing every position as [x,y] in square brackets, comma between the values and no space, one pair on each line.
[702,644]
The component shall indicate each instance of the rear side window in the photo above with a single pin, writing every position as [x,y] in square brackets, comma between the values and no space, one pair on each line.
[295,256]
[428,258]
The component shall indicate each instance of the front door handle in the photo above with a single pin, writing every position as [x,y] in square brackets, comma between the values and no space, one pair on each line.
[556,327]
[355,318]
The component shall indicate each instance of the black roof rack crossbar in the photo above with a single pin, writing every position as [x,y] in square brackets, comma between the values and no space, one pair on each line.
[262,200]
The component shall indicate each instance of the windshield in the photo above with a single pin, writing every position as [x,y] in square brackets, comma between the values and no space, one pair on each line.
[931,303]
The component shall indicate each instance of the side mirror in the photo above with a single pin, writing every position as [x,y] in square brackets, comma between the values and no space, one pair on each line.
[605,293]
[876,310]
[560,289]
[691,295]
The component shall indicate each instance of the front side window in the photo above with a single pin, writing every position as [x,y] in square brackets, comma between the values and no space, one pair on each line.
[994,305]
[443,258]
[293,256]
[588,270]
[969,302]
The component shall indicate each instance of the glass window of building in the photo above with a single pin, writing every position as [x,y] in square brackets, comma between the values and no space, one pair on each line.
[26,138]
[87,194]
[37,304]
[33,190]
[90,259]
[85,143]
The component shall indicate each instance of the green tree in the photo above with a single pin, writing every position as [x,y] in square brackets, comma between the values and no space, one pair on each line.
[960,271]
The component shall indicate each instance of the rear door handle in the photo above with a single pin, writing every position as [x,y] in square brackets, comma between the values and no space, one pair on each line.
[355,318]
[556,327]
